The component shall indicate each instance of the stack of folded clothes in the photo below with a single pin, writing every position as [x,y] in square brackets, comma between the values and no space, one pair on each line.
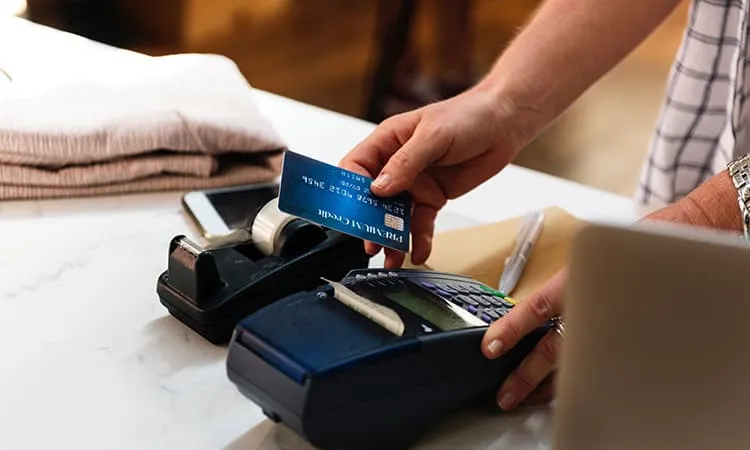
[86,119]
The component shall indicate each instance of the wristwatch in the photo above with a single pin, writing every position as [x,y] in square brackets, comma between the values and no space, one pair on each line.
[739,171]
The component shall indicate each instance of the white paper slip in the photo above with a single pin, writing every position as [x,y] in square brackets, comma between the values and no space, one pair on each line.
[382,315]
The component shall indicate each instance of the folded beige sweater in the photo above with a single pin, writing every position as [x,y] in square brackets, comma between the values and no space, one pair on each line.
[79,118]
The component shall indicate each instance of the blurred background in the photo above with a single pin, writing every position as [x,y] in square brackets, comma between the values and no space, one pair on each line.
[373,58]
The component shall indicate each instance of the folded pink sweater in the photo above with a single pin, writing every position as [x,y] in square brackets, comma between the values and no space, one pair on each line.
[87,119]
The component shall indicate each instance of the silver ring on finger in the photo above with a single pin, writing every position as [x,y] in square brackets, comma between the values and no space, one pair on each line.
[558,325]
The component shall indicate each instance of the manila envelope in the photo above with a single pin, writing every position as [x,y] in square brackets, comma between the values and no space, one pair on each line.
[480,252]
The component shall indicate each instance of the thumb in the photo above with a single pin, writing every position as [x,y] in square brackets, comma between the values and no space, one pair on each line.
[530,313]
[407,163]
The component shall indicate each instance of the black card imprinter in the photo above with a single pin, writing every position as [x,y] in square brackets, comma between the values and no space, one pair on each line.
[373,360]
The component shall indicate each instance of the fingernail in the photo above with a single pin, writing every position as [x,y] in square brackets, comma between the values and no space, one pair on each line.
[495,346]
[382,182]
[508,401]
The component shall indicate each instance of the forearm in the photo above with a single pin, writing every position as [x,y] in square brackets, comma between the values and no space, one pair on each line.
[565,48]
[712,205]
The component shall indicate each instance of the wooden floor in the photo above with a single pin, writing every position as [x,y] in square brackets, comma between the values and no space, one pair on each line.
[321,52]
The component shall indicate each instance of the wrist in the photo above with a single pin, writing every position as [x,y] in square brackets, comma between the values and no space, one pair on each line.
[714,205]
[524,119]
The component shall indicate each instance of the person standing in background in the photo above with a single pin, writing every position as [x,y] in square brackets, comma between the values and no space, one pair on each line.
[408,87]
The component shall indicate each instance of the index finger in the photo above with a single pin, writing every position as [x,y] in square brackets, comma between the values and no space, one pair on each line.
[525,317]
[372,153]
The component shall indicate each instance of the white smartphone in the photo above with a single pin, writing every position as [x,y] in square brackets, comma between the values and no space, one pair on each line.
[218,212]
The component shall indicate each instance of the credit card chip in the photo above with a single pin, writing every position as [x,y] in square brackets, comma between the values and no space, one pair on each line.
[394,222]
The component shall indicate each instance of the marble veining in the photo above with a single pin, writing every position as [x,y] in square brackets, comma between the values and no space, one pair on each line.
[90,352]
[91,359]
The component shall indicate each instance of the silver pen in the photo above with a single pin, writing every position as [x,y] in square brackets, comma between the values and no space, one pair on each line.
[527,235]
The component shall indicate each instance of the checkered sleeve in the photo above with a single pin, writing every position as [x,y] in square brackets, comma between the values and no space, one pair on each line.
[702,113]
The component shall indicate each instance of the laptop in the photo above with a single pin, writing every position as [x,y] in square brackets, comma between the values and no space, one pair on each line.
[657,346]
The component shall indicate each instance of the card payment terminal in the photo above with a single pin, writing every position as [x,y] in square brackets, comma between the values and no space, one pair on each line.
[372,361]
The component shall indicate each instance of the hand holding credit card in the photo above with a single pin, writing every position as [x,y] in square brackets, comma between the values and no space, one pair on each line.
[341,200]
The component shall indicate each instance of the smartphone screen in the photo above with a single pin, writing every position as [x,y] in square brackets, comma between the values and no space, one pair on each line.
[239,208]
[218,211]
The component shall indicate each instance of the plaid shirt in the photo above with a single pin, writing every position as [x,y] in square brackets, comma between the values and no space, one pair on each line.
[702,124]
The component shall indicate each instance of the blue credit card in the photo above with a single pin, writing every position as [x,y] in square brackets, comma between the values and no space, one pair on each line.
[341,200]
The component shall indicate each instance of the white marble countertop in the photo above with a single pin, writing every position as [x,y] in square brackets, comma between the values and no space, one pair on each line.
[90,358]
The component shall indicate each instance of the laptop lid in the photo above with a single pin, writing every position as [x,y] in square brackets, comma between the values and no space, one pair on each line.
[657,346]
